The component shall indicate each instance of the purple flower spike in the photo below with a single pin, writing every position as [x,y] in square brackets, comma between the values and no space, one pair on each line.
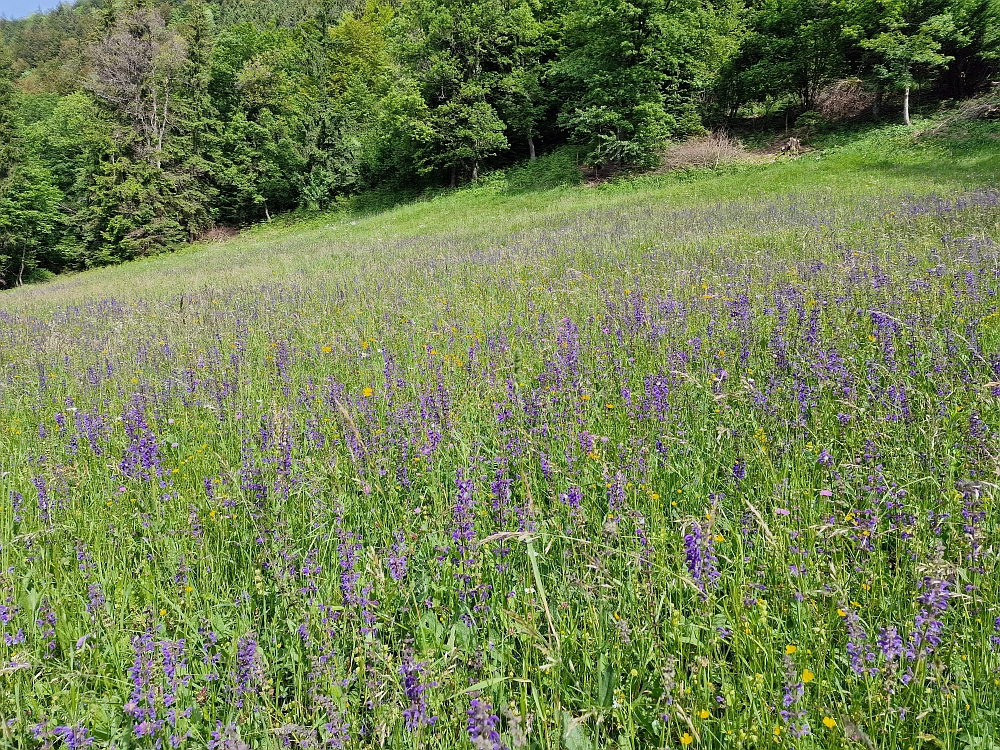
[482,725]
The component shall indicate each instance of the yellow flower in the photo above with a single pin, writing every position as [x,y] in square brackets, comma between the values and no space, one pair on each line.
[609,406]
[368,392]
[686,739]
[188,589]
[808,676]
[828,722]
[842,613]
[585,397]
[327,349]
[703,714]
[163,613]
[790,649]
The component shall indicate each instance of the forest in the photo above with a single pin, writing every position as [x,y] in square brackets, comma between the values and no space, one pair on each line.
[129,127]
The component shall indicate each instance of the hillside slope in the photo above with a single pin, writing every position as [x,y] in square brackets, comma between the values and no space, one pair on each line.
[883,164]
[702,460]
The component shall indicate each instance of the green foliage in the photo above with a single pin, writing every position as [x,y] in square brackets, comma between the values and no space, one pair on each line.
[29,218]
[796,48]
[631,72]
[353,74]
[9,115]
[255,167]
[907,50]
[557,169]
[791,47]
[467,59]
[155,121]
[28,197]
[134,209]
[974,49]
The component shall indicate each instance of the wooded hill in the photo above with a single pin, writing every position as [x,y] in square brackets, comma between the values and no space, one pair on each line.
[128,127]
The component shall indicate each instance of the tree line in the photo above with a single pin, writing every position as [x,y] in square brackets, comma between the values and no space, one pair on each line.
[130,126]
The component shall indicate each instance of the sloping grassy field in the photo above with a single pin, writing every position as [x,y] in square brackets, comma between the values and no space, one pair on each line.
[684,460]
[844,176]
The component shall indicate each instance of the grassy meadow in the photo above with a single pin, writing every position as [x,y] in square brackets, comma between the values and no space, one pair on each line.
[699,460]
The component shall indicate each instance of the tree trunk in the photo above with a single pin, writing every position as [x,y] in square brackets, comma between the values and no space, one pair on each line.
[454,176]
[163,127]
[20,273]
[906,106]
[475,170]
[531,148]
[266,212]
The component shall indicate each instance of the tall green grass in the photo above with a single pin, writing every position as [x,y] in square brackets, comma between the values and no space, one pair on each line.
[667,459]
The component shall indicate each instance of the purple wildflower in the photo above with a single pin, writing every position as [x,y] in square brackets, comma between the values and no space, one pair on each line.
[46,623]
[415,715]
[142,458]
[17,506]
[700,557]
[891,644]
[859,651]
[795,720]
[95,599]
[46,504]
[249,672]
[572,499]
[927,625]
[141,705]
[397,561]
[616,495]
[482,723]
[68,737]
[227,738]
